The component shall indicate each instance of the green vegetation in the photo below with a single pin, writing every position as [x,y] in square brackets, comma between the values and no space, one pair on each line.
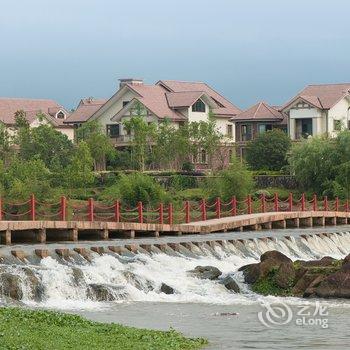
[26,329]
[268,151]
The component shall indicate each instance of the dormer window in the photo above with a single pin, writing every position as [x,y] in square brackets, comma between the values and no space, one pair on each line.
[199,106]
[60,115]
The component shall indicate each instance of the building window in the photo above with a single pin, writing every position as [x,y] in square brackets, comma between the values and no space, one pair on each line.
[230,131]
[112,130]
[199,106]
[203,156]
[246,132]
[125,103]
[337,125]
[264,127]
[60,115]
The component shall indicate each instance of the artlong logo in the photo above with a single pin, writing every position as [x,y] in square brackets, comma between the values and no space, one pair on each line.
[280,314]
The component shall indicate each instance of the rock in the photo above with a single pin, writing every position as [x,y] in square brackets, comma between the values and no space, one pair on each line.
[10,285]
[336,285]
[311,289]
[164,288]
[285,275]
[78,276]
[36,288]
[105,292]
[230,284]
[206,272]
[275,255]
[346,260]
[137,282]
[251,272]
[324,262]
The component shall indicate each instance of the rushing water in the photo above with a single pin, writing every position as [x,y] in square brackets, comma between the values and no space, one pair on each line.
[198,307]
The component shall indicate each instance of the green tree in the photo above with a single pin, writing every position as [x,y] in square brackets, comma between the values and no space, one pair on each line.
[143,136]
[234,181]
[268,151]
[6,144]
[100,145]
[314,164]
[79,173]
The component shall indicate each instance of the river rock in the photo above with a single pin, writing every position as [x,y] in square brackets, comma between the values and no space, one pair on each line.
[285,275]
[206,272]
[275,255]
[105,292]
[36,287]
[164,288]
[10,285]
[230,284]
[326,261]
[78,276]
[138,282]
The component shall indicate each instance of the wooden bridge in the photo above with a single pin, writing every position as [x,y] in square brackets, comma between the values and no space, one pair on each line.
[58,231]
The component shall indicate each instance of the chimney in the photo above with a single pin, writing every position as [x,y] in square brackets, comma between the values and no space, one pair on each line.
[131,81]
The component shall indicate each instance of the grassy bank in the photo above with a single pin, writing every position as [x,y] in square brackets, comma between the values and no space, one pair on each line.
[27,329]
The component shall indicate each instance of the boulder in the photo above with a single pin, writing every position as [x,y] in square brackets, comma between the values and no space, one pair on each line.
[78,276]
[346,260]
[230,284]
[164,288]
[105,292]
[251,272]
[10,285]
[336,285]
[206,272]
[36,288]
[326,261]
[137,282]
[275,255]
[285,275]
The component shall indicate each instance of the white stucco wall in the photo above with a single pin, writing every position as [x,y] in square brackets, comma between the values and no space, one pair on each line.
[340,111]
[69,132]
[301,113]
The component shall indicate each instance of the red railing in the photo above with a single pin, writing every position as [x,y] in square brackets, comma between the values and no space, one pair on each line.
[190,211]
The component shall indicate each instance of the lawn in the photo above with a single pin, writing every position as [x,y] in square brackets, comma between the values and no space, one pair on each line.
[27,329]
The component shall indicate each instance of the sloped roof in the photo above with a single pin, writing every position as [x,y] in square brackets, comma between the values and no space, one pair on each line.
[31,107]
[226,108]
[260,112]
[85,109]
[323,96]
[153,97]
[183,99]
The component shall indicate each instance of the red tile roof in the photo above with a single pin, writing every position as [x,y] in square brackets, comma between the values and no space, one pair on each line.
[260,112]
[85,109]
[183,98]
[31,107]
[225,107]
[323,96]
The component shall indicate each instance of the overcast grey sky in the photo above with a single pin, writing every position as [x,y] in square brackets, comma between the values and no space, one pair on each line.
[248,50]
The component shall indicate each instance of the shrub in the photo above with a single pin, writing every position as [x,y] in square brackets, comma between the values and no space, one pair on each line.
[268,151]
[234,181]
[135,187]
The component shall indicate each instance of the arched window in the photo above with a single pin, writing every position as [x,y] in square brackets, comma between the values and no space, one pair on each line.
[203,156]
[199,106]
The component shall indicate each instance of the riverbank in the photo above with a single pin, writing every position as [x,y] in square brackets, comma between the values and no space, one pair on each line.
[28,329]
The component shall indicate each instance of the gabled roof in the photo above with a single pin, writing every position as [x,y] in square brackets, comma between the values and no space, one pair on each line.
[224,108]
[31,107]
[85,109]
[322,96]
[183,99]
[260,112]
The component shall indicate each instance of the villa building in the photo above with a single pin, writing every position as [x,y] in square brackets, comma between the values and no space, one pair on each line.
[256,120]
[36,112]
[317,110]
[177,101]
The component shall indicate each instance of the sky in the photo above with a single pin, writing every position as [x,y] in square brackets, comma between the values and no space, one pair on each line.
[248,50]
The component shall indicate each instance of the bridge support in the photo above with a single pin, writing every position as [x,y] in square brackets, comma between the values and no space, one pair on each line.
[41,235]
[5,237]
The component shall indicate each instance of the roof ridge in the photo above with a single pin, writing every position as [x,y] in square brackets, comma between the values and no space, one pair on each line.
[323,84]
[183,81]
[257,108]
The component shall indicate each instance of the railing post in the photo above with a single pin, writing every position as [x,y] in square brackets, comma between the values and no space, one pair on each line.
[336,204]
[218,208]
[314,202]
[187,212]
[170,214]
[117,211]
[249,204]
[63,208]
[263,203]
[275,202]
[161,213]
[303,202]
[290,201]
[0,208]
[325,203]
[347,205]
[204,210]
[90,209]
[32,207]
[234,206]
[140,211]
